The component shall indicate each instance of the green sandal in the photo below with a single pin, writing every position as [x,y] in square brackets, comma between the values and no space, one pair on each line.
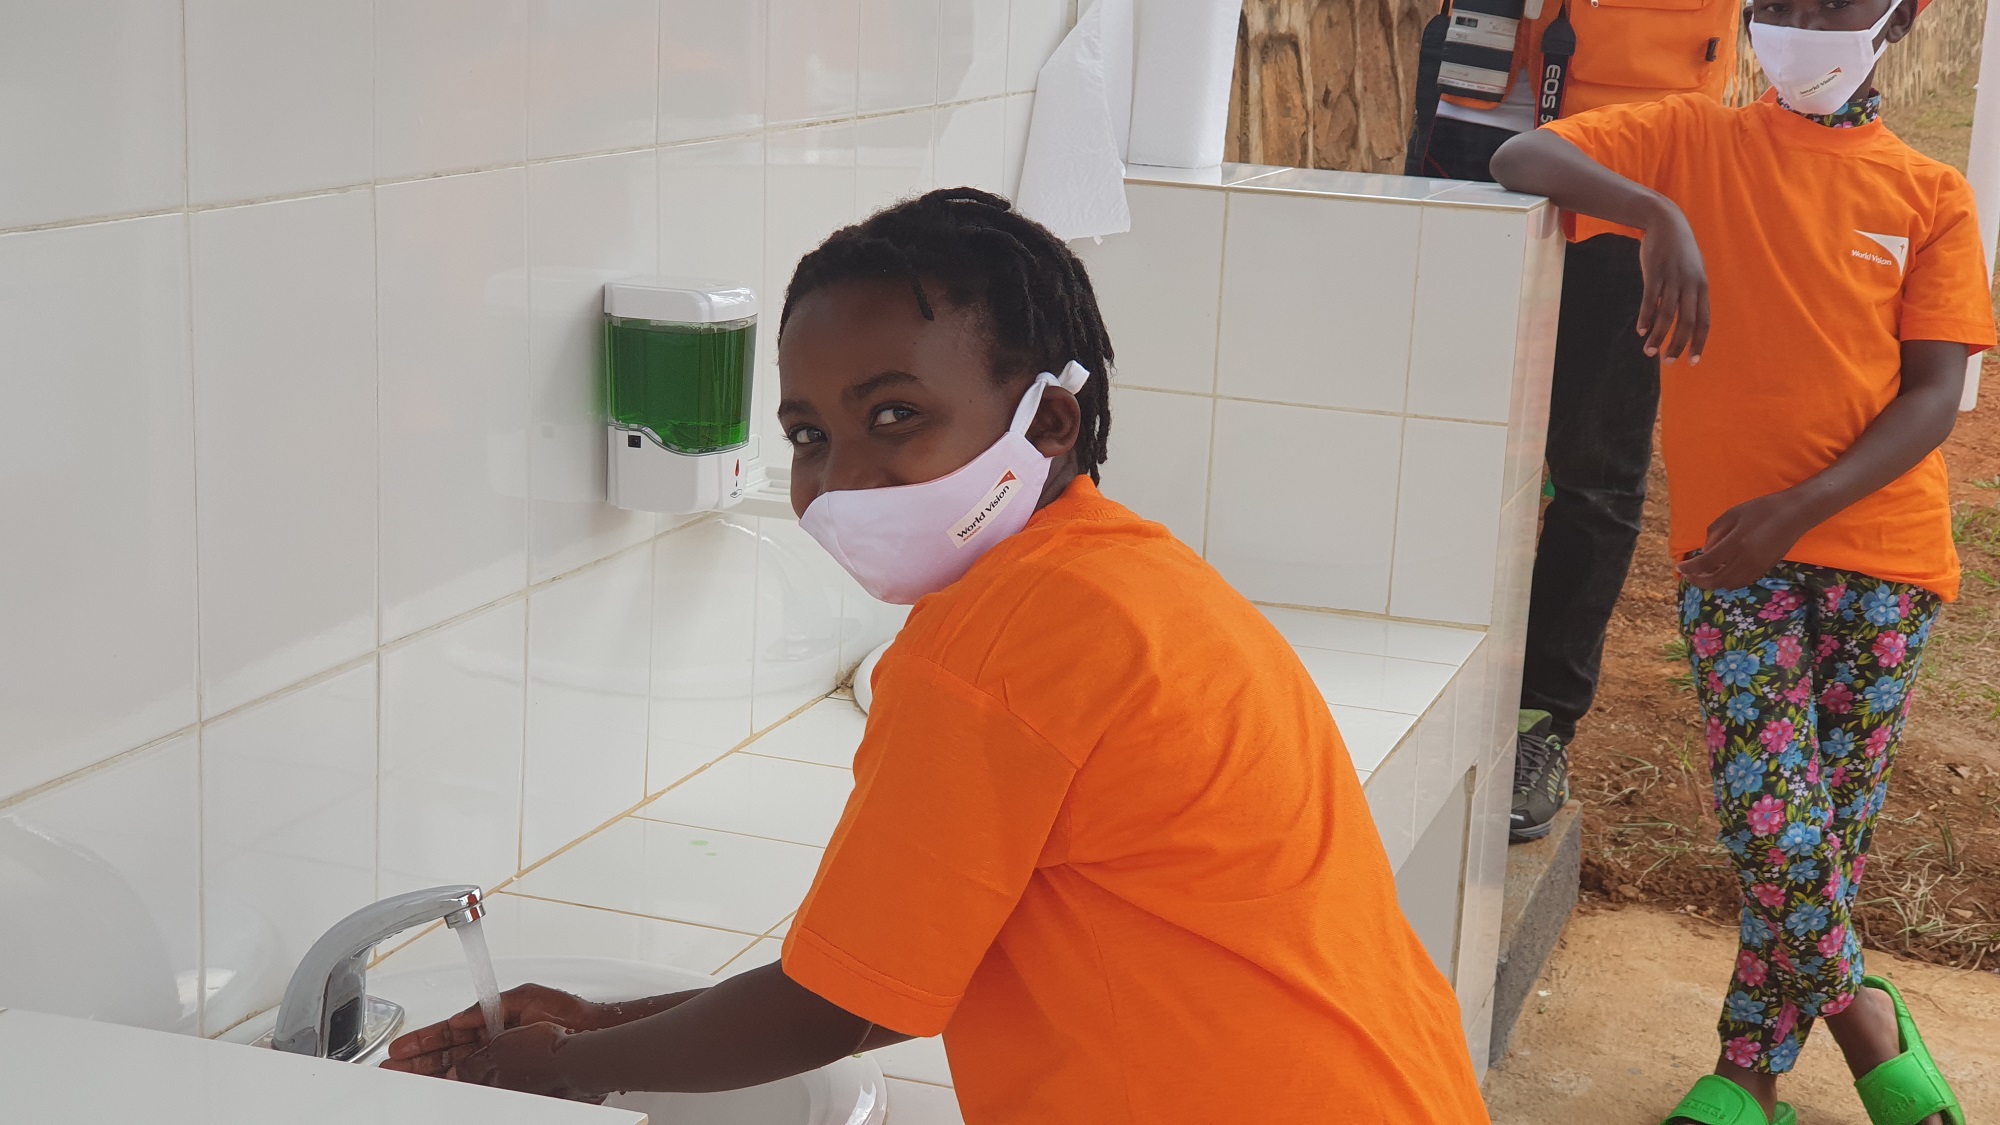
[1907,1088]
[1716,1100]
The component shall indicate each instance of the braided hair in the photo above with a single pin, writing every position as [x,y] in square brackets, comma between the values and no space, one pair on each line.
[973,251]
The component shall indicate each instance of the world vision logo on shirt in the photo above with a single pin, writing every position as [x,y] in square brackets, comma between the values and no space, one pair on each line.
[982,513]
[1897,248]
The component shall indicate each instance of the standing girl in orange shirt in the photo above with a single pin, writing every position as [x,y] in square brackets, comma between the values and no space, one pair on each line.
[1104,835]
[1811,521]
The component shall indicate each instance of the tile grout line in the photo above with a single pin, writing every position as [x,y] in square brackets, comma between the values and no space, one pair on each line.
[375,281]
[1214,382]
[194,509]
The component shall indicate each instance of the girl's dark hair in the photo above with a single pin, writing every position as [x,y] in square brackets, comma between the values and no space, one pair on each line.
[972,250]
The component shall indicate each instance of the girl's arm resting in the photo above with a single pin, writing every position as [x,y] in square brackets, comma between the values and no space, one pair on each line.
[1673,311]
[1746,541]
[753,1028]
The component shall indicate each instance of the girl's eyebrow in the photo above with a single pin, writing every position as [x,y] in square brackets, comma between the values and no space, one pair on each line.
[869,386]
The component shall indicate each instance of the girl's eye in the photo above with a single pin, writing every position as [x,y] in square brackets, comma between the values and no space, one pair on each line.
[890,415]
[805,435]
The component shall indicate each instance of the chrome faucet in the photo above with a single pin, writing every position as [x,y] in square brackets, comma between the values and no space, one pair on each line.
[327,1011]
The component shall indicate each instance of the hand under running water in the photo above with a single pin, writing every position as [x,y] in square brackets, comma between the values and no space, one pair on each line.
[437,1049]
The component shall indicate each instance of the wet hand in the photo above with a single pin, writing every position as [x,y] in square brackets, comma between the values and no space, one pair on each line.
[1745,542]
[1673,311]
[436,1049]
[525,1059]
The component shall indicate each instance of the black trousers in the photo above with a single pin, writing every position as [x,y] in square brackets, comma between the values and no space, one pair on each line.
[1602,401]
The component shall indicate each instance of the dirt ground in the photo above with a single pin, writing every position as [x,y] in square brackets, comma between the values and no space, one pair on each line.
[1933,884]
[1584,1052]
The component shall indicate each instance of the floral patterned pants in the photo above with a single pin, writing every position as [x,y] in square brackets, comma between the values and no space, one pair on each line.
[1804,680]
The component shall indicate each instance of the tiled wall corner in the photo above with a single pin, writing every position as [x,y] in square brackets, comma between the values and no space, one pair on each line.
[314,344]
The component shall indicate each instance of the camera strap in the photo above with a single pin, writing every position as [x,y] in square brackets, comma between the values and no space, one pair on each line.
[1558,46]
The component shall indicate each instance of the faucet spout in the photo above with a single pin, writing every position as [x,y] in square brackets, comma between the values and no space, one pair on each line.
[326,1003]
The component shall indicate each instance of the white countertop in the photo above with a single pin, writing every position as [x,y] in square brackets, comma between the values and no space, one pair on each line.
[55,1070]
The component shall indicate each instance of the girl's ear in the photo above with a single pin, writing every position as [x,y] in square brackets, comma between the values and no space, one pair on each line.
[1900,22]
[1057,423]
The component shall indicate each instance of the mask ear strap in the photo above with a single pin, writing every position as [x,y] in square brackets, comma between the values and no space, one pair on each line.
[1072,379]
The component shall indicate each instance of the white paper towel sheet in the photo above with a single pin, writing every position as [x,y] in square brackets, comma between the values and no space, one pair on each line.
[1185,53]
[1073,172]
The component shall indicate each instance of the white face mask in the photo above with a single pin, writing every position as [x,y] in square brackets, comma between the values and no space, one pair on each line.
[1817,71]
[909,540]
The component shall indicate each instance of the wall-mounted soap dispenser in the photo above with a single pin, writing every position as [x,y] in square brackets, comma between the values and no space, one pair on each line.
[678,362]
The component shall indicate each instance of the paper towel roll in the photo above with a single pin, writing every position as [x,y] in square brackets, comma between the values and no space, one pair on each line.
[1185,54]
[1072,174]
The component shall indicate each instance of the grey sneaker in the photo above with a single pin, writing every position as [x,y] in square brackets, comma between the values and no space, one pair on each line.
[1541,778]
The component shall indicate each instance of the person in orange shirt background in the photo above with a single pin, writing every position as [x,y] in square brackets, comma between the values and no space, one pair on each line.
[1830,283]
[1494,69]
[1104,835]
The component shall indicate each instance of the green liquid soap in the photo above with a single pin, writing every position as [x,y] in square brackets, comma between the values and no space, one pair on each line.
[685,385]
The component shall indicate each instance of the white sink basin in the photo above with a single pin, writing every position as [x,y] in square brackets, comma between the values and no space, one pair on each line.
[849,1092]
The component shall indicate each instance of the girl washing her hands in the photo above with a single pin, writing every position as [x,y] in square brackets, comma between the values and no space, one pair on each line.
[1829,283]
[1103,835]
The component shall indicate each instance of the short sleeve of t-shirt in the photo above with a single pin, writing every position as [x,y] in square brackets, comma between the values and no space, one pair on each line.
[1947,293]
[1636,140]
[954,804]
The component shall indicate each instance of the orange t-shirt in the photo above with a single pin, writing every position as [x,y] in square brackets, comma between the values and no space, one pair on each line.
[1105,838]
[1826,248]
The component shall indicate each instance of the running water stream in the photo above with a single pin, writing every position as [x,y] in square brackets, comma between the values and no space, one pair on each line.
[480,961]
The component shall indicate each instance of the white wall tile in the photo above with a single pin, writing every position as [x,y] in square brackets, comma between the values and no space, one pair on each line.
[1158,287]
[972,48]
[808,194]
[529,927]
[1469,273]
[916,1103]
[971,143]
[589,221]
[451,85]
[711,67]
[100,913]
[1317,300]
[1385,682]
[828,733]
[288,835]
[682,874]
[865,624]
[593,75]
[1534,358]
[811,70]
[1479,1034]
[704,621]
[280,96]
[798,621]
[918,1060]
[1448,521]
[97,483]
[892,160]
[453,296]
[753,795]
[1020,114]
[1435,732]
[1300,510]
[453,702]
[285,389]
[589,662]
[1159,458]
[90,109]
[1034,29]
[1391,791]
[1370,735]
[1473,731]
[899,54]
[1485,886]
[712,213]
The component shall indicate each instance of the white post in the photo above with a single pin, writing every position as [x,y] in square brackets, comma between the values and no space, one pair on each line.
[1983,167]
